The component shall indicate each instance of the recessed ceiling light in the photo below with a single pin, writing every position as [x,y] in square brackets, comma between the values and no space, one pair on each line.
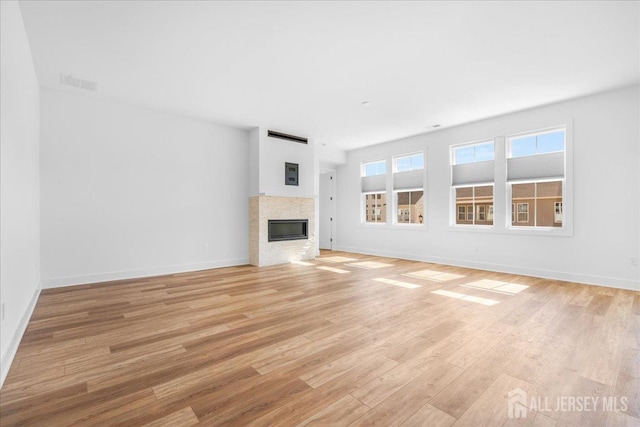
[366,104]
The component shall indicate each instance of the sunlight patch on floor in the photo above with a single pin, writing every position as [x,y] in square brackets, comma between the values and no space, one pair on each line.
[336,258]
[302,263]
[496,286]
[483,301]
[436,276]
[334,270]
[370,264]
[397,283]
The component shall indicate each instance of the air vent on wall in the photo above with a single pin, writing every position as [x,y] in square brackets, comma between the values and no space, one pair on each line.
[293,138]
[69,80]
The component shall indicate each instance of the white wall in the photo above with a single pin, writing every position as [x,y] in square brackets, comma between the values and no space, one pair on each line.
[606,145]
[129,192]
[19,183]
[273,154]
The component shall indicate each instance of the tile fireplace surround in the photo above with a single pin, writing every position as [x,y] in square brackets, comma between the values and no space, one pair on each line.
[261,210]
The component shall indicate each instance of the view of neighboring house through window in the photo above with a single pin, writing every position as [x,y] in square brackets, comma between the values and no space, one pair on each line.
[374,196]
[408,187]
[472,175]
[538,204]
[473,205]
[375,207]
[410,207]
[535,174]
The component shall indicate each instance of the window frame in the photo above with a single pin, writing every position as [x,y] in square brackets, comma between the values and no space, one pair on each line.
[564,228]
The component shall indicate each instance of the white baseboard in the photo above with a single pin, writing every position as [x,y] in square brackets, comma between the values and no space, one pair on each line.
[610,282]
[7,358]
[57,282]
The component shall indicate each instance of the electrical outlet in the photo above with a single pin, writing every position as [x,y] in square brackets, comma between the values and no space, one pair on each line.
[205,246]
[633,260]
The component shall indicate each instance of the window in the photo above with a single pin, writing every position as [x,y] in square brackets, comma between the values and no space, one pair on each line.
[540,143]
[536,178]
[410,206]
[375,207]
[539,204]
[472,177]
[474,153]
[408,188]
[481,213]
[409,162]
[462,213]
[374,191]
[474,199]
[523,212]
[374,168]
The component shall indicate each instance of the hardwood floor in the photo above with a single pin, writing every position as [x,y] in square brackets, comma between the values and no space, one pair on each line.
[344,340]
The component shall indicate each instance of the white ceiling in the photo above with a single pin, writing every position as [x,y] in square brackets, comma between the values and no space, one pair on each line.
[306,67]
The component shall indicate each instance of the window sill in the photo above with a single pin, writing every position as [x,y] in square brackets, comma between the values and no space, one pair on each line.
[539,231]
[474,228]
[415,227]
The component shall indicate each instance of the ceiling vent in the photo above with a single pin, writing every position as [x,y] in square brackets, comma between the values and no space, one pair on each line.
[292,138]
[69,80]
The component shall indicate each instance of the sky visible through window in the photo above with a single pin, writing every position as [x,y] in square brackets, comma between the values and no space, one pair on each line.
[410,163]
[375,168]
[550,142]
[474,153]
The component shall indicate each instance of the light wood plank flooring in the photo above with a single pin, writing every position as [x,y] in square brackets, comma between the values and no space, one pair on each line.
[344,340]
